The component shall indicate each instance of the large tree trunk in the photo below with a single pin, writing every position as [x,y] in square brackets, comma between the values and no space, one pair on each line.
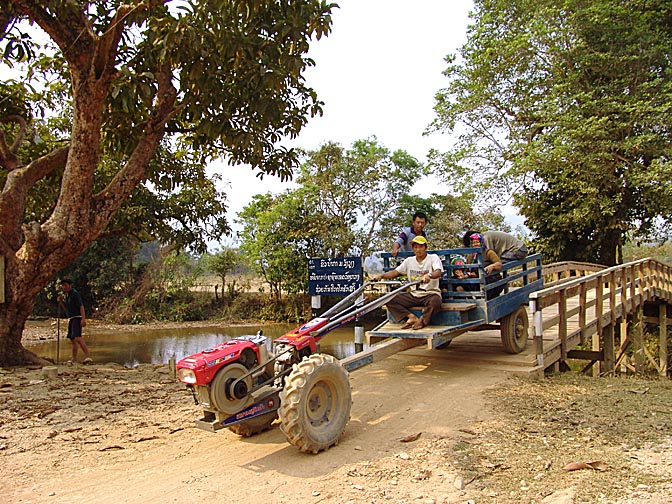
[13,317]
[12,352]
[35,252]
[608,247]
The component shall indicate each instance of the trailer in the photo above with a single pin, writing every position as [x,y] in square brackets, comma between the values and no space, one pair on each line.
[500,299]
[245,384]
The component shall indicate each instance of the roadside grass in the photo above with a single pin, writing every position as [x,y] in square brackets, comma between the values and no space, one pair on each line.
[622,424]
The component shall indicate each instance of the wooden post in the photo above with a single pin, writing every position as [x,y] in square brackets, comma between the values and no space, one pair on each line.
[609,349]
[642,283]
[633,290]
[662,338]
[608,340]
[582,312]
[612,297]
[638,339]
[657,280]
[630,327]
[538,322]
[625,339]
[599,300]
[624,301]
[562,324]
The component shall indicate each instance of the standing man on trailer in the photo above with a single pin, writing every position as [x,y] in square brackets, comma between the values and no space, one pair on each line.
[424,266]
[404,241]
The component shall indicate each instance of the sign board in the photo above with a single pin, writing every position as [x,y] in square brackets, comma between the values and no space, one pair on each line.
[335,276]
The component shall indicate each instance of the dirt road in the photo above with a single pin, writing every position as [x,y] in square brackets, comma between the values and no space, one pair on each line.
[424,429]
[104,434]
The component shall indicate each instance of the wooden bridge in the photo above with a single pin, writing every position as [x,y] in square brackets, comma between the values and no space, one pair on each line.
[602,311]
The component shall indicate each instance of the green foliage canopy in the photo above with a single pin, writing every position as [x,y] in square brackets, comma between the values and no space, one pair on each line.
[566,106]
[222,262]
[279,234]
[348,202]
[354,189]
[133,93]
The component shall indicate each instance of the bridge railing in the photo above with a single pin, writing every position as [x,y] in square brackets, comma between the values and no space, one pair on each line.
[584,304]
[567,270]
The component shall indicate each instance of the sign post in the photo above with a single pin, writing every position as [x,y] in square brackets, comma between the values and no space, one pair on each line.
[336,276]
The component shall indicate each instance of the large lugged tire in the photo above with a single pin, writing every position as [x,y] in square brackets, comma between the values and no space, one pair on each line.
[315,403]
[514,330]
[255,425]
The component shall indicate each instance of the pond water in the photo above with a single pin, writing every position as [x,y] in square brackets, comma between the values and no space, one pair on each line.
[158,346]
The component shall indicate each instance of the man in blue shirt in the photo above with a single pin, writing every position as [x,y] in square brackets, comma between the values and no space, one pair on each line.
[403,241]
[74,310]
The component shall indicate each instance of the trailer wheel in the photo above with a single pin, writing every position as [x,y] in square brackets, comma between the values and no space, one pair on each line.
[255,425]
[315,403]
[514,330]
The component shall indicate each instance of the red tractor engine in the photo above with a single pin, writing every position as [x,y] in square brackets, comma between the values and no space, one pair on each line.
[222,380]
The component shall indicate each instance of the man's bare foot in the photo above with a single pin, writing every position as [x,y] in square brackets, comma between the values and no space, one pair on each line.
[410,322]
[419,324]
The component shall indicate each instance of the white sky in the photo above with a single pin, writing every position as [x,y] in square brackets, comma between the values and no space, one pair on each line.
[377,73]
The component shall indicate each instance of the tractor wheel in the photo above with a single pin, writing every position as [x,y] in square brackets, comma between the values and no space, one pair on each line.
[255,425]
[315,403]
[514,329]
[220,393]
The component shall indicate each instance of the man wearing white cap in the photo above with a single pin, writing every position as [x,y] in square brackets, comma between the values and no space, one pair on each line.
[421,266]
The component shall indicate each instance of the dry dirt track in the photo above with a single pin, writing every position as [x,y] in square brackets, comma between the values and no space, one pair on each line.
[102,435]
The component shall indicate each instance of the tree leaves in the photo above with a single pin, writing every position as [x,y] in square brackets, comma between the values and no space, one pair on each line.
[119,83]
[559,104]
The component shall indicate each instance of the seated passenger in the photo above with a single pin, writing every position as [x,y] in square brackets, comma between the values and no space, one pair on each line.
[459,274]
[491,263]
[421,266]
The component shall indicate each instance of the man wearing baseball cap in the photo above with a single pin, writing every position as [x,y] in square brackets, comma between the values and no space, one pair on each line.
[420,266]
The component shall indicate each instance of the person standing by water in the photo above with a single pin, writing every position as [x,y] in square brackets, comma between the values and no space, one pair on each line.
[74,310]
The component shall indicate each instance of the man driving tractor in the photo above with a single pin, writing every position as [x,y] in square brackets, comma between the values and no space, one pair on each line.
[421,266]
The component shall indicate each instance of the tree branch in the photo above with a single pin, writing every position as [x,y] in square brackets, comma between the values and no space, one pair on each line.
[108,201]
[17,185]
[8,158]
[69,29]
[106,50]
